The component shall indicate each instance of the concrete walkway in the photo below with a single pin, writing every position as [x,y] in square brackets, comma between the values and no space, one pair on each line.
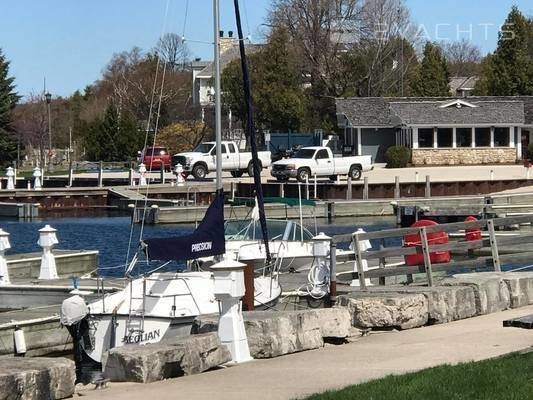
[371,357]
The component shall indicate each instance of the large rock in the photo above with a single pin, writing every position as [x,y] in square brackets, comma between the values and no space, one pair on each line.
[445,303]
[520,286]
[386,310]
[154,362]
[272,334]
[36,378]
[490,291]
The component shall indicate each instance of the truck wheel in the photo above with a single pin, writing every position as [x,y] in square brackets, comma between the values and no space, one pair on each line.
[251,168]
[236,174]
[303,174]
[355,172]
[333,178]
[199,171]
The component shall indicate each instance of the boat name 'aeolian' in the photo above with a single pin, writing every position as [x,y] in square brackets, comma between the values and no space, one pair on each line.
[141,337]
[196,247]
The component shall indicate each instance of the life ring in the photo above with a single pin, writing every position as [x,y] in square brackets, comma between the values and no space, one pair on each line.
[472,234]
[414,240]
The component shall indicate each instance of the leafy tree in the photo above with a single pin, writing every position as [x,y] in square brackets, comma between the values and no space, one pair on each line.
[8,100]
[509,71]
[432,78]
[115,137]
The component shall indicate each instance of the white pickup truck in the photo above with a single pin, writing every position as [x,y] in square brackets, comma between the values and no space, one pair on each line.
[320,161]
[202,160]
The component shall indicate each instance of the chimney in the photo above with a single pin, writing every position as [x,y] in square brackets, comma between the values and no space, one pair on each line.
[221,34]
[230,34]
[227,42]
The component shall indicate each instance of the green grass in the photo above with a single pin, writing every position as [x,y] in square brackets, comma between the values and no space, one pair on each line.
[507,378]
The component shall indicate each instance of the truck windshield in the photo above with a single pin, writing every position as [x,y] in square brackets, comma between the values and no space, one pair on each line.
[203,147]
[304,153]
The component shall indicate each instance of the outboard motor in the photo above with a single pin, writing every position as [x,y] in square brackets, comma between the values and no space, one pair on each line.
[73,316]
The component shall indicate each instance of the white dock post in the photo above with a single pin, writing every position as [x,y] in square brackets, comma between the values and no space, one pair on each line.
[4,245]
[47,239]
[229,289]
[37,178]
[142,171]
[10,174]
[364,245]
[178,171]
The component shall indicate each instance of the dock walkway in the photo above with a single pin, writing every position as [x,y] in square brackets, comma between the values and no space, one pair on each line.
[334,367]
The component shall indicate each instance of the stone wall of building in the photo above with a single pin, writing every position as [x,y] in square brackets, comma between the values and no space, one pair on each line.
[464,155]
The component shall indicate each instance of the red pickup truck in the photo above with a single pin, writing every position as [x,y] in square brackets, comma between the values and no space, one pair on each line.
[156,157]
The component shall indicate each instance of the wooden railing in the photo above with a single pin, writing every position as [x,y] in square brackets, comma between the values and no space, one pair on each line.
[425,248]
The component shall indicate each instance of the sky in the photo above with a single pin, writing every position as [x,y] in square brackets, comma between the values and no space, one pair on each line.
[69,42]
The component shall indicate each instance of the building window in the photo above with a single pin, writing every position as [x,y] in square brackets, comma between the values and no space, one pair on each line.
[463,137]
[501,137]
[425,137]
[444,137]
[482,137]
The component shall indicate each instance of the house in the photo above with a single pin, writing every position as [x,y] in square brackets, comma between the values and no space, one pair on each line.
[461,86]
[439,131]
[202,78]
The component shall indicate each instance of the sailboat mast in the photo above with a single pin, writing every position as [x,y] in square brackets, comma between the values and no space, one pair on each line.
[218,112]
[250,132]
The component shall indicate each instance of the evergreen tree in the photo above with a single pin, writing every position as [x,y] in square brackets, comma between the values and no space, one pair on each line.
[432,78]
[8,100]
[509,71]
[114,138]
[276,86]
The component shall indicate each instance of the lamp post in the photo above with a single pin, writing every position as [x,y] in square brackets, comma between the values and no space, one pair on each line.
[48,98]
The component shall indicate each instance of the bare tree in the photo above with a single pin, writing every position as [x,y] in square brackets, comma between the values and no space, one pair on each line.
[463,57]
[173,50]
[30,122]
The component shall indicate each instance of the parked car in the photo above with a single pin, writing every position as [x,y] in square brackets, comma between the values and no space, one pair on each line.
[156,157]
[201,160]
[320,161]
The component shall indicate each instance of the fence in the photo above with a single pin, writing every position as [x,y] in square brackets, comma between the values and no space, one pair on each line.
[425,248]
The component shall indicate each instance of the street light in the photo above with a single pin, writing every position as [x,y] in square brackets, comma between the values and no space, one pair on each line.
[48,98]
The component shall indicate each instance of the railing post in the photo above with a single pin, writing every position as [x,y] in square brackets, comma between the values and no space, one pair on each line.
[162,174]
[349,188]
[365,188]
[315,195]
[130,176]
[396,187]
[382,262]
[359,261]
[101,174]
[307,187]
[428,187]
[332,273]
[427,258]
[494,245]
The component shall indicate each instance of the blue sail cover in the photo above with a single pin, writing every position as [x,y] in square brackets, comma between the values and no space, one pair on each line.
[207,240]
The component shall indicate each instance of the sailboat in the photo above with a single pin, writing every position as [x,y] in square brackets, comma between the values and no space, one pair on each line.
[162,305]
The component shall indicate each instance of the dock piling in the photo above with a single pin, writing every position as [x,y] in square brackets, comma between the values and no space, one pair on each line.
[349,189]
[365,188]
[396,187]
[101,174]
[428,187]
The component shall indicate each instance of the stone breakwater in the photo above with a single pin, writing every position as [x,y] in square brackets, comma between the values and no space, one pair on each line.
[273,334]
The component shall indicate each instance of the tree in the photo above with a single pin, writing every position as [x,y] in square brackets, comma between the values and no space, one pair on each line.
[115,137]
[172,50]
[276,86]
[8,100]
[463,57]
[509,71]
[432,79]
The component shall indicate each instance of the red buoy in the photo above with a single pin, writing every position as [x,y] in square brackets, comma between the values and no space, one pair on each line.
[472,234]
[414,240]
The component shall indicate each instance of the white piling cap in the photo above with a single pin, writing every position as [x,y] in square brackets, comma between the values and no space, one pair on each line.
[47,229]
[321,236]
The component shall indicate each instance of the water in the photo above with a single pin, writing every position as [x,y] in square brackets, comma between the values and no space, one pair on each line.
[111,235]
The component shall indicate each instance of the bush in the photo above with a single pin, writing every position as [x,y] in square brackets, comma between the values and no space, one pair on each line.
[397,156]
[529,153]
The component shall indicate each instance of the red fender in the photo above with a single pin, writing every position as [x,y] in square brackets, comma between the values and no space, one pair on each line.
[473,233]
[433,238]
